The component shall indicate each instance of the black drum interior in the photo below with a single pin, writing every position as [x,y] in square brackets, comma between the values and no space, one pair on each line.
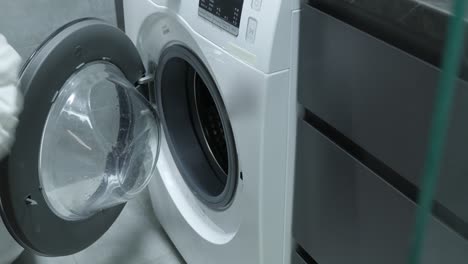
[197,127]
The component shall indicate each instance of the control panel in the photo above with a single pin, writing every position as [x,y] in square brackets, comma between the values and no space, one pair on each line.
[224,13]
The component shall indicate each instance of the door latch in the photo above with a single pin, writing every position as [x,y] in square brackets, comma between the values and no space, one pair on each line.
[30,201]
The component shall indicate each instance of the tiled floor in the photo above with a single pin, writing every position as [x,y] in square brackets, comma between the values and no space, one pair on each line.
[135,238]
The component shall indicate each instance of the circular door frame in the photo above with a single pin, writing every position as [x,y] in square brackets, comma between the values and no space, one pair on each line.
[179,137]
[24,209]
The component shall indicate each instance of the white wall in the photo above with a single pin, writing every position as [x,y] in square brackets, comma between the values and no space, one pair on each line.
[26,23]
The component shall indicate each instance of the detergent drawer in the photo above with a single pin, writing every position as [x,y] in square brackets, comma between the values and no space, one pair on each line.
[382,98]
[345,213]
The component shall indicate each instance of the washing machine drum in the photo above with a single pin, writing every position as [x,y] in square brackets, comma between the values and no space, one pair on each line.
[87,140]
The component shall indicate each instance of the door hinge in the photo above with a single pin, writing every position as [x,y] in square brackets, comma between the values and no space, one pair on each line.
[146,79]
[145,85]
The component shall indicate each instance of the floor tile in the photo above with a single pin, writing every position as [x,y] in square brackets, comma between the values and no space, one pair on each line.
[9,249]
[27,258]
[167,259]
[134,238]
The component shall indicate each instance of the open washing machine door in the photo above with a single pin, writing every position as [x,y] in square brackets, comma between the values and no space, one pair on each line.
[87,140]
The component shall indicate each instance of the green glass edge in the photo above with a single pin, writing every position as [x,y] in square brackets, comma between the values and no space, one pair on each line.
[440,123]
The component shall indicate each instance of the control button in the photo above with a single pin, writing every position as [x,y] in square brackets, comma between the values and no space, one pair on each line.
[257,4]
[251,30]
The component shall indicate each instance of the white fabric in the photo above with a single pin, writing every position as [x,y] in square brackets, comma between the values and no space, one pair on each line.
[10,105]
[11,100]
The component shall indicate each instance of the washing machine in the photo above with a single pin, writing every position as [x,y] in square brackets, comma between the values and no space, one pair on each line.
[196,100]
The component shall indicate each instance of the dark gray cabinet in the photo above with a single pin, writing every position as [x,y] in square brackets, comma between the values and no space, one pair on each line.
[381,98]
[296,259]
[378,98]
[345,213]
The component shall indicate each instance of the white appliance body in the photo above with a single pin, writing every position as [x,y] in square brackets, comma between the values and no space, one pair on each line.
[257,83]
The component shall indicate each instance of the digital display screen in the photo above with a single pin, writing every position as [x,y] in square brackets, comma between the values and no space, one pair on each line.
[224,13]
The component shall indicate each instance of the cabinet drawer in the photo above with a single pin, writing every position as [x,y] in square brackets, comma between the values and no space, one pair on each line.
[344,213]
[382,99]
[296,259]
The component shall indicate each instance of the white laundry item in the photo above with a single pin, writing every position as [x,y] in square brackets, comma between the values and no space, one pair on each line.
[11,100]
[10,106]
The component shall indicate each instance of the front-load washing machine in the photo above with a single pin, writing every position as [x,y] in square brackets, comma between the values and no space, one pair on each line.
[197,100]
[222,184]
